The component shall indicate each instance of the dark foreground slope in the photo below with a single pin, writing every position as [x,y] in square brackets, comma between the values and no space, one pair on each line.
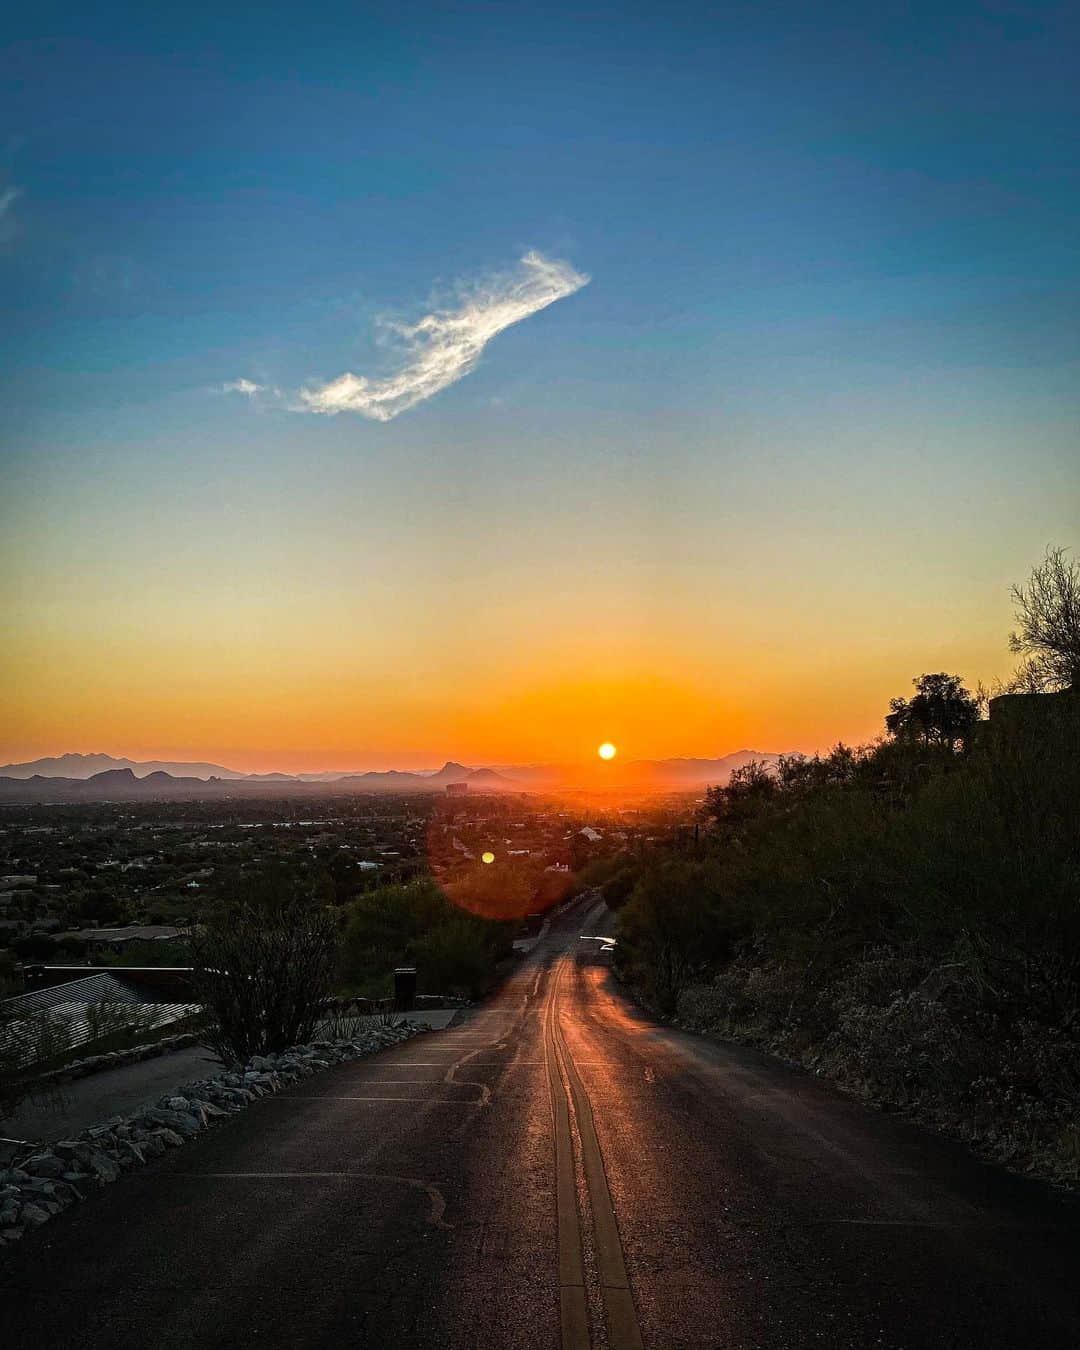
[411,1200]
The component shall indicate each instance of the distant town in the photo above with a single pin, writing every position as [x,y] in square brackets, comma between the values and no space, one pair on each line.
[123,882]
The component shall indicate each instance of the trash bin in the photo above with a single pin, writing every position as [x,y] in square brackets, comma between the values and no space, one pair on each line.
[404,988]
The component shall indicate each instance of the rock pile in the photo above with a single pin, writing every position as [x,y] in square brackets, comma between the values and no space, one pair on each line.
[37,1184]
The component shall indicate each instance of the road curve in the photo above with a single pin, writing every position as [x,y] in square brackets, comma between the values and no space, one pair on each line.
[558,1172]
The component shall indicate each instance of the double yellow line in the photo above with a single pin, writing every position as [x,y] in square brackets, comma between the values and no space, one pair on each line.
[568,1093]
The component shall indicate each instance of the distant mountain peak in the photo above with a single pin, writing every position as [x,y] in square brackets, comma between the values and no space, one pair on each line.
[76,765]
[79,777]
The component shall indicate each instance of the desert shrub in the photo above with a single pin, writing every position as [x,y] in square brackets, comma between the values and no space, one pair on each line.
[105,1018]
[905,918]
[904,1050]
[457,957]
[675,925]
[262,968]
[454,950]
[619,887]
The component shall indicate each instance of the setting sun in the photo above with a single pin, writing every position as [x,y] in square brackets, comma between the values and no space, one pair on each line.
[606,751]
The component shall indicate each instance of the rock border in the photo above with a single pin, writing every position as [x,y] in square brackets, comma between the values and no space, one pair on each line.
[116,1059]
[39,1182]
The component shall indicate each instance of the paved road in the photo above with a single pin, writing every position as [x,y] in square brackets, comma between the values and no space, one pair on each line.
[556,1171]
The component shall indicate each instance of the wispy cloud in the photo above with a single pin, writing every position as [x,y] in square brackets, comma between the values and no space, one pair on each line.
[446,344]
[242,386]
[8,197]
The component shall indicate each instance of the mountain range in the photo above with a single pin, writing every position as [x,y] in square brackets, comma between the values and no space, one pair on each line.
[101,777]
[86,766]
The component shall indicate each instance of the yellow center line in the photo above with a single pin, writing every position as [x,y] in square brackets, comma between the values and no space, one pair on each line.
[573,1308]
[620,1315]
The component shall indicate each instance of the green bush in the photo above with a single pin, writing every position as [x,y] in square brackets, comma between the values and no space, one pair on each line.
[905,918]
[453,950]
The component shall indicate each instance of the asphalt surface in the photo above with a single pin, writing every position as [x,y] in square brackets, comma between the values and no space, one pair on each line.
[71,1107]
[556,1170]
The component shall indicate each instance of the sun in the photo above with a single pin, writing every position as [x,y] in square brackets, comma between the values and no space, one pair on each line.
[606,751]
[487,857]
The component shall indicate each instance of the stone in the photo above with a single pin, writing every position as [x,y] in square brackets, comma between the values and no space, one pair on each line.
[182,1122]
[38,1186]
[103,1166]
[12,1234]
[44,1165]
[33,1214]
[79,1156]
[169,1137]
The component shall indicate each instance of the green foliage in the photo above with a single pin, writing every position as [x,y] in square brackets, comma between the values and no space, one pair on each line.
[902,917]
[453,950]
[457,956]
[748,790]
[675,924]
[618,889]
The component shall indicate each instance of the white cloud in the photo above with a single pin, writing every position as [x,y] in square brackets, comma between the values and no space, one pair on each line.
[242,386]
[8,198]
[446,344]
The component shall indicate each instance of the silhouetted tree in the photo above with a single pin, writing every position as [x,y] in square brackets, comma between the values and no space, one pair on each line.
[942,712]
[1048,636]
[262,967]
[747,790]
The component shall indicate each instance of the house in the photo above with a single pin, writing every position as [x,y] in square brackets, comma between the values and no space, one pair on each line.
[116,939]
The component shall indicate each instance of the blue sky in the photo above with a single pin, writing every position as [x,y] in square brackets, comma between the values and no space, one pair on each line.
[834,269]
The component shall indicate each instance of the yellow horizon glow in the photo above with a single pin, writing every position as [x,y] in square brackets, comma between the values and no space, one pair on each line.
[216,664]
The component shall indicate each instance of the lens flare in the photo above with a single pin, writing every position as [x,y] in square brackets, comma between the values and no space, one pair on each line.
[606,751]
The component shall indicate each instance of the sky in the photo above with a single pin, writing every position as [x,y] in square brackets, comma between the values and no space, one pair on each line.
[389,383]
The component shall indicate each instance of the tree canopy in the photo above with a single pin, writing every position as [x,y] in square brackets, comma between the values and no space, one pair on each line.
[941,712]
